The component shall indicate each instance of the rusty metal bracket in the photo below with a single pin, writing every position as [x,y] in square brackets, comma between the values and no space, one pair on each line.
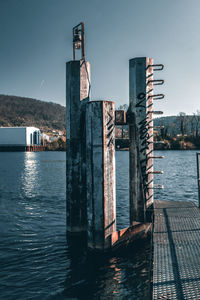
[156,172]
[157,96]
[157,157]
[156,81]
[155,112]
[157,187]
[156,67]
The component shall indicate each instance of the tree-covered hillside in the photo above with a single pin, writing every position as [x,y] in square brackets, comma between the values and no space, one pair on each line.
[20,111]
[180,125]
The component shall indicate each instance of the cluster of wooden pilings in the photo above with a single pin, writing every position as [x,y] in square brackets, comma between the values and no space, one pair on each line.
[91,190]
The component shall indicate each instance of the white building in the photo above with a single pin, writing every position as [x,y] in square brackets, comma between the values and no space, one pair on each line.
[19,136]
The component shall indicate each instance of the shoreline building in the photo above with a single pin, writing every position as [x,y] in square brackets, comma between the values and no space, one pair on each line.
[20,139]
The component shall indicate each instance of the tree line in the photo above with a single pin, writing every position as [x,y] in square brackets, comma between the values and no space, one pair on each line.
[181,125]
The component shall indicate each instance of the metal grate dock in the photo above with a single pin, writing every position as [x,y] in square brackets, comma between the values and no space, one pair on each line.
[176,242]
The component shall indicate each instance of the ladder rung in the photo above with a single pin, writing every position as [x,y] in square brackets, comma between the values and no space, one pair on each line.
[157,112]
[156,186]
[156,96]
[156,81]
[156,67]
[156,157]
[156,172]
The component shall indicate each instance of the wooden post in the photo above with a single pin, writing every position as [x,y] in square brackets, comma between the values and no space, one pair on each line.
[100,118]
[141,137]
[77,95]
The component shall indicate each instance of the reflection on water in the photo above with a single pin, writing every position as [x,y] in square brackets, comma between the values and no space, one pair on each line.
[180,176]
[123,275]
[30,174]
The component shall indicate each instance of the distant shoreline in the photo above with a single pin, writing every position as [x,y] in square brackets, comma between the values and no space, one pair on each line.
[197,149]
[168,143]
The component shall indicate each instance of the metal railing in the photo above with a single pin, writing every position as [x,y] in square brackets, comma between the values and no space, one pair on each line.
[198,178]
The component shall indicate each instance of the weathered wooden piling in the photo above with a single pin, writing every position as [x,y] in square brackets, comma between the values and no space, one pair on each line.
[90,149]
[77,95]
[100,161]
[141,137]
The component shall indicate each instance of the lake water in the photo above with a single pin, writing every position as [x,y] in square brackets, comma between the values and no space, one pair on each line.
[36,262]
[180,176]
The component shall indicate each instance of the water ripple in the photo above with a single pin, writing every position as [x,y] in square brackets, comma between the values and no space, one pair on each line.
[36,260]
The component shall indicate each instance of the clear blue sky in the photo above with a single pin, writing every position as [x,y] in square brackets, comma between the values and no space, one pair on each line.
[36,41]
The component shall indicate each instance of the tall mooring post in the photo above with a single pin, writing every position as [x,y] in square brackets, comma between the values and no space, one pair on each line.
[140,119]
[77,95]
[100,120]
[141,137]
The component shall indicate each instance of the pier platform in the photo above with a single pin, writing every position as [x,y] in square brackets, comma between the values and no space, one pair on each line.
[176,250]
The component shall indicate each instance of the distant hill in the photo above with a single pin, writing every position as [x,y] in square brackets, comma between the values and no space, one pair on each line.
[172,124]
[169,122]
[21,111]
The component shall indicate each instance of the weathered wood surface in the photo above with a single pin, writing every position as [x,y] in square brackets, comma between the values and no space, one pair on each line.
[91,199]
[100,162]
[77,95]
[141,137]
[176,254]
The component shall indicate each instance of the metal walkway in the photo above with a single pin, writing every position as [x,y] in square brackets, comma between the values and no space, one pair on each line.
[176,242]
